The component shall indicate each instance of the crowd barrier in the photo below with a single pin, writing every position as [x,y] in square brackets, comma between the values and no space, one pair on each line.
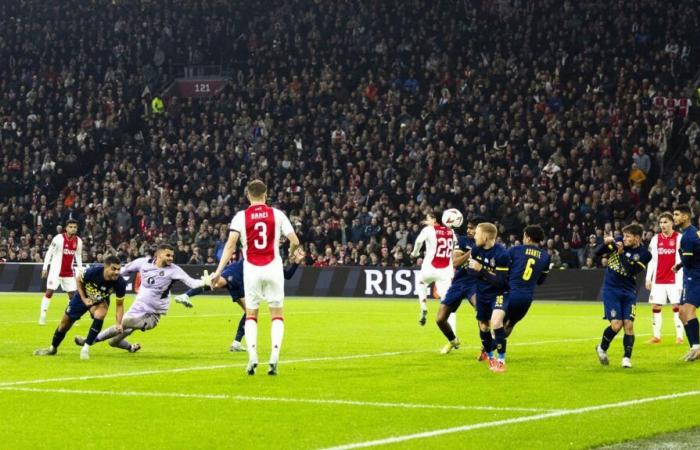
[373,282]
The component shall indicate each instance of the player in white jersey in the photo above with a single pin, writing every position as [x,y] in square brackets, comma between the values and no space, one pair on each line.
[437,263]
[64,248]
[153,300]
[665,285]
[259,229]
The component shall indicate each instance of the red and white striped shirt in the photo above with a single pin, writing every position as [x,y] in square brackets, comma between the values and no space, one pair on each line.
[664,255]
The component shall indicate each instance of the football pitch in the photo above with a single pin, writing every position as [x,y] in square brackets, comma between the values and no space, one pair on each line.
[354,373]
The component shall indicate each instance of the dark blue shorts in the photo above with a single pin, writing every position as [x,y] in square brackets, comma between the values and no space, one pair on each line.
[234,282]
[76,308]
[485,307]
[518,306]
[619,305]
[458,292]
[691,295]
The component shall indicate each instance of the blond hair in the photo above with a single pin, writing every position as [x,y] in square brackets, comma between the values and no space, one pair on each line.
[488,228]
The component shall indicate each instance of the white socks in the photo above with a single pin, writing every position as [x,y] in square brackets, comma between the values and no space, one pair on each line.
[452,320]
[656,321]
[276,333]
[680,330]
[422,296]
[251,338]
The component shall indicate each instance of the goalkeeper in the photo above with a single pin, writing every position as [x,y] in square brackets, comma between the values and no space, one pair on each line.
[232,279]
[153,300]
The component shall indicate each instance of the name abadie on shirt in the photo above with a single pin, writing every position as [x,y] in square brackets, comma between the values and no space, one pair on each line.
[259,215]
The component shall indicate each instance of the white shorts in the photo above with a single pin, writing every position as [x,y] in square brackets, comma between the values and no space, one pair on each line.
[263,283]
[441,277]
[66,283]
[665,293]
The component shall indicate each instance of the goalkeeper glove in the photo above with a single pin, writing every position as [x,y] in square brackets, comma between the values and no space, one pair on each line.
[206,279]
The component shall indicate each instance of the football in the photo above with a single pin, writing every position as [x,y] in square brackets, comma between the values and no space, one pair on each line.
[452,218]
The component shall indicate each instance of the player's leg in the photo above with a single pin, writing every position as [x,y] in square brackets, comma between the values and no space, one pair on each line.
[449,305]
[51,286]
[442,285]
[674,296]
[499,333]
[484,311]
[75,309]
[131,323]
[518,308]
[45,303]
[612,307]
[185,298]
[253,286]
[99,312]
[236,345]
[423,289]
[628,342]
[273,291]
[688,314]
[657,298]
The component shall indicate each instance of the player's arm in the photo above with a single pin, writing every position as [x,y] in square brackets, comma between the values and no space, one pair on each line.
[651,268]
[460,257]
[497,278]
[286,229]
[79,281]
[686,252]
[293,242]
[120,313]
[418,245]
[226,255]
[132,267]
[605,248]
[297,258]
[48,257]
[632,266]
[79,255]
[120,292]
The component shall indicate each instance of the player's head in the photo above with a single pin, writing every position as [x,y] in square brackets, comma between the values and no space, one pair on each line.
[485,234]
[471,227]
[632,235]
[429,219]
[71,227]
[682,215]
[666,222]
[256,191]
[111,268]
[165,253]
[533,235]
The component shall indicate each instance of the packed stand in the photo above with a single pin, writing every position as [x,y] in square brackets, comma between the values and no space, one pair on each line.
[360,116]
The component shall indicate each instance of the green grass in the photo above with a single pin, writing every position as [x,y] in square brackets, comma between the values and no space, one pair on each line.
[376,353]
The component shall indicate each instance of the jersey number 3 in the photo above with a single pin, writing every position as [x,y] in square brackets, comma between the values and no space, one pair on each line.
[527,274]
[261,242]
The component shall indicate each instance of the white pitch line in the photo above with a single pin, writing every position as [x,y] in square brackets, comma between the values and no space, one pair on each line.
[227,366]
[275,399]
[496,423]
[236,315]
[199,368]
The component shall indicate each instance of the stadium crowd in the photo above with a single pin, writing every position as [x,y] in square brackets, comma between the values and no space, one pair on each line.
[360,116]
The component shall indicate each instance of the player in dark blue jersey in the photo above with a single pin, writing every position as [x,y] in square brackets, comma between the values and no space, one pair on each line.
[529,266]
[232,279]
[463,286]
[690,262]
[95,286]
[626,258]
[490,263]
